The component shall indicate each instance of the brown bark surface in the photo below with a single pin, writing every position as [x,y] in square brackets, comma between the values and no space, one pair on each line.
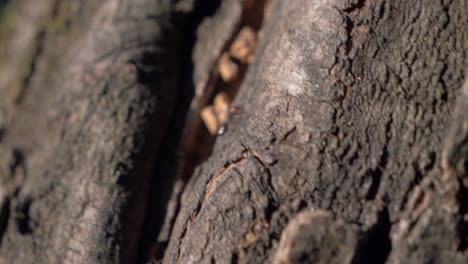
[87,88]
[346,110]
[348,142]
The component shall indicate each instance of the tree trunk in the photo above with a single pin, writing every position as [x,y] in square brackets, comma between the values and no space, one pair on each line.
[336,154]
[86,92]
[347,141]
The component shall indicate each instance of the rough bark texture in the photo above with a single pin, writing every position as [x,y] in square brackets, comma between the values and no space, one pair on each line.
[349,145]
[315,237]
[346,110]
[86,90]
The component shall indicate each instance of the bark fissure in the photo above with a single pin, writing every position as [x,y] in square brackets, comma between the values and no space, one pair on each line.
[462,226]
[376,173]
[194,144]
[4,216]
[376,245]
[40,40]
[39,46]
[173,168]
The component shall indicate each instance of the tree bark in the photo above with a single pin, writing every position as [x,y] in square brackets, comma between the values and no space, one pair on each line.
[86,92]
[348,142]
[345,111]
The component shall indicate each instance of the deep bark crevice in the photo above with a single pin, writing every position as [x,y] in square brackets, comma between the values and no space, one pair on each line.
[160,193]
[4,216]
[180,153]
[377,244]
[462,226]
[376,173]
[23,221]
[374,188]
[355,6]
[40,39]
[352,21]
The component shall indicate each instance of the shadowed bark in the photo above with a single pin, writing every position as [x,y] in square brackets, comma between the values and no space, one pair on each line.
[86,91]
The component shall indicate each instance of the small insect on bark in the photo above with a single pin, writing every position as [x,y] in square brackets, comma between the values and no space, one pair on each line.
[234,109]
[222,130]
